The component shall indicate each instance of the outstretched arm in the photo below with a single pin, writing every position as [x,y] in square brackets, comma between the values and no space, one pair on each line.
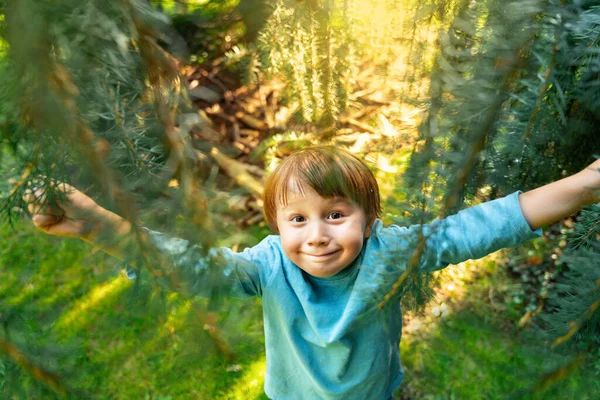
[81,217]
[183,266]
[557,200]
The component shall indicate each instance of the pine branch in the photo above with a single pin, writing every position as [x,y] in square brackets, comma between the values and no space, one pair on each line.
[324,44]
[576,325]
[558,375]
[482,135]
[56,82]
[479,138]
[49,379]
[544,88]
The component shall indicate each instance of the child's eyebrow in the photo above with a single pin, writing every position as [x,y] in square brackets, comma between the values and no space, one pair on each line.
[330,200]
[344,200]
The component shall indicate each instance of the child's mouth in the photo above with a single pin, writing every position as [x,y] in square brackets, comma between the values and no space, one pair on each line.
[322,255]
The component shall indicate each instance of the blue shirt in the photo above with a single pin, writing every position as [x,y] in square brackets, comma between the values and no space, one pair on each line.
[325,337]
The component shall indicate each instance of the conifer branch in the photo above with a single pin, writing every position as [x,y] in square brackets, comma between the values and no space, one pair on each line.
[558,374]
[161,69]
[412,266]
[544,88]
[24,177]
[62,88]
[324,64]
[49,379]
[480,137]
[576,325]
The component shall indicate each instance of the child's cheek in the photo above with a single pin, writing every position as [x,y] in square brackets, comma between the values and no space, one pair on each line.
[289,241]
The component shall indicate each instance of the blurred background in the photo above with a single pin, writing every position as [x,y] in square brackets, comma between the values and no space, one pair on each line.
[171,114]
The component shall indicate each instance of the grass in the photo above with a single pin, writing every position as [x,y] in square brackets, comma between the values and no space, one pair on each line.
[467,358]
[72,312]
[476,350]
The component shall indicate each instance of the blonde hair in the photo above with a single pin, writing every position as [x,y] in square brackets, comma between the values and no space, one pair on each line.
[329,171]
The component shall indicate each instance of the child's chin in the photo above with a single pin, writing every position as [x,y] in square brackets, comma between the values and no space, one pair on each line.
[322,272]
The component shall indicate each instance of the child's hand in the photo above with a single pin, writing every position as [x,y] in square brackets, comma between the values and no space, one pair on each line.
[557,200]
[75,216]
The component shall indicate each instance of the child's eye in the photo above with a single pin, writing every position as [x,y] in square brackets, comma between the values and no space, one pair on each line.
[335,215]
[297,218]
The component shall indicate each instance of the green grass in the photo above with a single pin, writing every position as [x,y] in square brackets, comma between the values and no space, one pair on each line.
[467,358]
[73,314]
[477,352]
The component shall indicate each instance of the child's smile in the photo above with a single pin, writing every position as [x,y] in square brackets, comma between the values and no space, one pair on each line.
[321,235]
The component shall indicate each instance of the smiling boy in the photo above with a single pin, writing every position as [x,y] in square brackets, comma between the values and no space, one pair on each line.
[323,204]
[321,236]
[322,276]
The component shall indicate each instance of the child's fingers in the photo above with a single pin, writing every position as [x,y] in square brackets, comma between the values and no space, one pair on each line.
[34,200]
[44,220]
[59,185]
[28,198]
[37,203]
[59,226]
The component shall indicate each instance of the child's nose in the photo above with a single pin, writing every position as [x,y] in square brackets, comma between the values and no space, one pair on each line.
[318,236]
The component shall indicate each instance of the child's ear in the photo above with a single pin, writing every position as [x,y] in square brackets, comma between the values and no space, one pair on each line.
[369,227]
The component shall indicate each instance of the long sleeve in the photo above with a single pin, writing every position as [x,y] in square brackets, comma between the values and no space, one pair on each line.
[217,271]
[470,234]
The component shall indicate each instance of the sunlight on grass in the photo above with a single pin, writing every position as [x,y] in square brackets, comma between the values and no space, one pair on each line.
[25,295]
[59,293]
[170,7]
[465,344]
[79,315]
[454,351]
[250,385]
[454,285]
[176,317]
[175,322]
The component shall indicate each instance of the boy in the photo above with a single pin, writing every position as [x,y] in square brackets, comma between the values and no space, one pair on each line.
[322,277]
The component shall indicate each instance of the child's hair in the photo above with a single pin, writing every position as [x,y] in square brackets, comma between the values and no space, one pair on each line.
[331,172]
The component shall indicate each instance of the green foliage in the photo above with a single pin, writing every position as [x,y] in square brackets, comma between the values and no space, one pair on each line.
[310,46]
[207,28]
[573,308]
[512,105]
[587,229]
[550,126]
[89,97]
[76,97]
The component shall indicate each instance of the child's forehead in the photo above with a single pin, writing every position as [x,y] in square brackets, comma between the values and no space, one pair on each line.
[296,187]
[297,192]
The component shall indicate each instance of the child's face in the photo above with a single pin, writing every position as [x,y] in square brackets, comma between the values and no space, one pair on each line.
[321,235]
